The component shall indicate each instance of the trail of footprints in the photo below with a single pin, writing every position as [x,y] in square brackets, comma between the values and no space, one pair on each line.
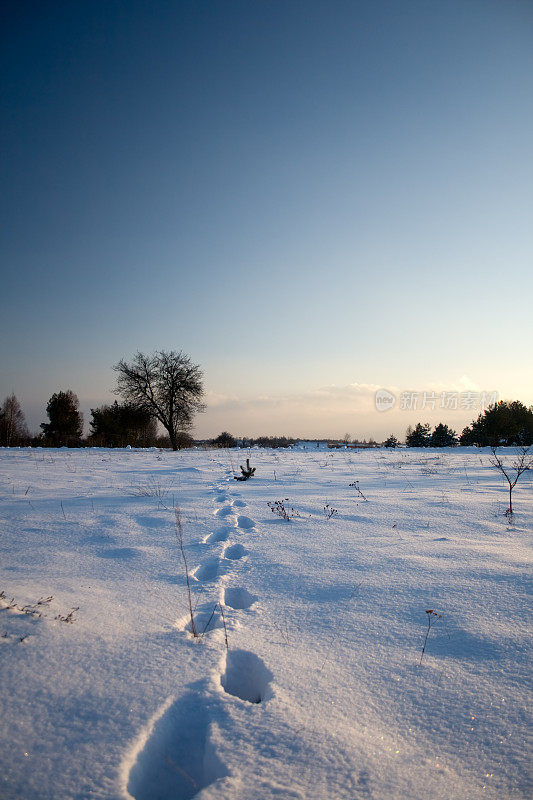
[176,759]
[213,567]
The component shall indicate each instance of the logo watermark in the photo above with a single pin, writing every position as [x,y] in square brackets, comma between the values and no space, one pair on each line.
[447,401]
[385,400]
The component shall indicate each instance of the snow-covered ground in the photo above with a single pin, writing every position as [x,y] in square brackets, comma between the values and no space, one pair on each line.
[322,692]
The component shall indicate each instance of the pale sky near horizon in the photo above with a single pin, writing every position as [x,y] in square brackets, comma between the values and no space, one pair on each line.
[313,200]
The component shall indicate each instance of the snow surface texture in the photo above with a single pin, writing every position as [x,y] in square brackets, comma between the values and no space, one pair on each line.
[322,693]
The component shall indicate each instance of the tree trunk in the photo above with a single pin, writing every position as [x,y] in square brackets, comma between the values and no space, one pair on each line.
[173,438]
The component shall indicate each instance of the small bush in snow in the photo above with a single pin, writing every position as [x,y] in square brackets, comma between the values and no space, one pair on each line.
[522,463]
[355,485]
[150,488]
[278,507]
[329,511]
[432,617]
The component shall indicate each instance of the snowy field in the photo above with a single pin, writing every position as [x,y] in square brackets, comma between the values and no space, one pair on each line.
[323,692]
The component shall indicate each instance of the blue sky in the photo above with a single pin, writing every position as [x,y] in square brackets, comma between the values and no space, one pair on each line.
[310,197]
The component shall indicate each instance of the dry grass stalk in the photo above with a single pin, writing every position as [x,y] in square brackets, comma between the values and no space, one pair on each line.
[179,536]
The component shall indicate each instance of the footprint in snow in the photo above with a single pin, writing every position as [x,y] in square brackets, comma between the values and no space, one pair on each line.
[208,571]
[221,498]
[225,511]
[175,760]
[239,503]
[238,598]
[206,618]
[235,552]
[246,677]
[245,523]
[220,535]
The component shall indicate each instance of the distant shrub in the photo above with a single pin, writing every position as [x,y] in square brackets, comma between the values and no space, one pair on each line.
[270,441]
[225,439]
[183,441]
[392,441]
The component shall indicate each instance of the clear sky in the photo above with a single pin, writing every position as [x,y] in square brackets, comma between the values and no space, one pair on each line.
[312,199]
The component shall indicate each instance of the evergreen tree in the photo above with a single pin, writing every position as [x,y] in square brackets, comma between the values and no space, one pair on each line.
[467,437]
[443,436]
[120,425]
[66,421]
[419,437]
[13,429]
[392,441]
[505,423]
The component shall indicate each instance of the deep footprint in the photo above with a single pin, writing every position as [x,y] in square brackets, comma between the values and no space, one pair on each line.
[246,677]
[225,511]
[245,522]
[206,619]
[177,761]
[239,503]
[235,551]
[208,571]
[239,598]
[219,535]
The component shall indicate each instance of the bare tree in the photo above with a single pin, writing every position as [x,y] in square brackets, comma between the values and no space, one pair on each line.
[522,462]
[165,384]
[13,428]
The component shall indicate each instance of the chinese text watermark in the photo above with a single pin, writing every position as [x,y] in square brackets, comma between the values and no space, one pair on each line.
[431,401]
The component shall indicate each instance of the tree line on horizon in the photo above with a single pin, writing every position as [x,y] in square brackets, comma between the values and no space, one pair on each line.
[167,388]
[503,424]
[122,424]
